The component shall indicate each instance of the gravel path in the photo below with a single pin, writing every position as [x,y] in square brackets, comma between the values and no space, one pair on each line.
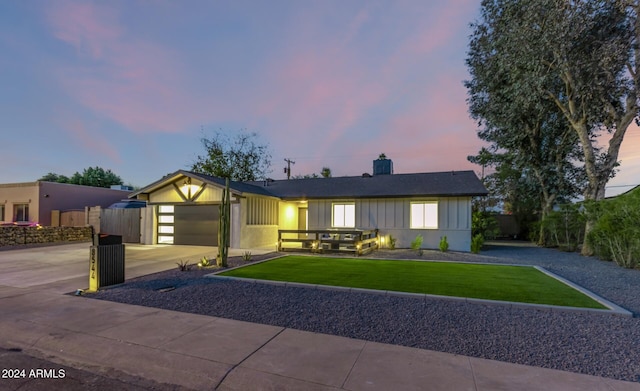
[596,344]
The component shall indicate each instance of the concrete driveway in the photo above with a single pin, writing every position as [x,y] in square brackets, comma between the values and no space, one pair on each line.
[65,268]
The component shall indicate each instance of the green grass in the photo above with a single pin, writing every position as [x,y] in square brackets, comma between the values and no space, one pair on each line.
[494,282]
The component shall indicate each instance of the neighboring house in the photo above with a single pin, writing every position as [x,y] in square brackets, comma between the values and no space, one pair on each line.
[32,202]
[183,207]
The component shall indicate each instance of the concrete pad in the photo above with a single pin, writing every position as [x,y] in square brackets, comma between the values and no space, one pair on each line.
[85,315]
[390,367]
[316,358]
[8,291]
[17,333]
[223,340]
[25,305]
[496,376]
[243,379]
[619,385]
[88,351]
[157,328]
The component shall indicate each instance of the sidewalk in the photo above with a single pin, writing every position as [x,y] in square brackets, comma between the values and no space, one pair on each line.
[204,353]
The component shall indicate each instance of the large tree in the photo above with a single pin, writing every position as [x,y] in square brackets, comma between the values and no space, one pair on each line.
[538,63]
[91,176]
[239,158]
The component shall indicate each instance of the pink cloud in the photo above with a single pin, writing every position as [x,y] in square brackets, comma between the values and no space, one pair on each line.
[90,140]
[129,81]
[333,89]
[85,26]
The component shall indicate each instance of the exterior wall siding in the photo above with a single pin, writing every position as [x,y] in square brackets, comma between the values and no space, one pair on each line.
[259,235]
[392,217]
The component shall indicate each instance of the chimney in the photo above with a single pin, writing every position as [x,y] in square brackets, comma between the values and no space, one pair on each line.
[382,165]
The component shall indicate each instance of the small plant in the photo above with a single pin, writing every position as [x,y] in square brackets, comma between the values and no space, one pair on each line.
[476,243]
[246,256]
[444,245]
[184,266]
[204,262]
[392,242]
[417,244]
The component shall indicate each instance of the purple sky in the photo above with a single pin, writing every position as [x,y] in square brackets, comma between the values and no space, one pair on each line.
[130,85]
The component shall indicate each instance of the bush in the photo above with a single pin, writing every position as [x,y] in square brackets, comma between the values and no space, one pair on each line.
[563,228]
[392,242]
[477,241]
[246,256]
[615,235]
[417,244]
[444,245]
[184,266]
[485,224]
[204,262]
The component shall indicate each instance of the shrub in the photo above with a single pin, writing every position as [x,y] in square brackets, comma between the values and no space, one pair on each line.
[444,245]
[246,256]
[563,228]
[616,233]
[205,262]
[417,244]
[184,266]
[484,223]
[392,242]
[476,243]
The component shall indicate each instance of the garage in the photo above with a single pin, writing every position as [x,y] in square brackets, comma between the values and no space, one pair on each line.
[195,225]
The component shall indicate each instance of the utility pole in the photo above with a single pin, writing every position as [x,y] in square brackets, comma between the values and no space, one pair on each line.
[287,169]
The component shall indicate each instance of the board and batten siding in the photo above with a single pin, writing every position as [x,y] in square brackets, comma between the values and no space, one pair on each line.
[391,216]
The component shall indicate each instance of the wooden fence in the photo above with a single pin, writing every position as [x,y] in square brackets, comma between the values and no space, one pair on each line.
[118,221]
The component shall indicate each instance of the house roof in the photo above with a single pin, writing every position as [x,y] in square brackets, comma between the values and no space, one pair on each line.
[435,184]
[451,183]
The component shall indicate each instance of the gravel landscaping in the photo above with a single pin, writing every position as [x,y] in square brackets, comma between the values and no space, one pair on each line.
[589,343]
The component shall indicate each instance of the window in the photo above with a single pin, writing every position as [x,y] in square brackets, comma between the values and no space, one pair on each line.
[165,224]
[1,212]
[424,215]
[344,215]
[21,212]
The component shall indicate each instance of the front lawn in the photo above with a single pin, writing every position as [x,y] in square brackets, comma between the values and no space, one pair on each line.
[495,282]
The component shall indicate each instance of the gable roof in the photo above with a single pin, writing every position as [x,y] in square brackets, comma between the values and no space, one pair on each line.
[237,188]
[435,184]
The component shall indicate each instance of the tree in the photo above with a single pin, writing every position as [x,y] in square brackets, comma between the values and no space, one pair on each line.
[538,63]
[239,158]
[324,173]
[96,177]
[92,176]
[52,177]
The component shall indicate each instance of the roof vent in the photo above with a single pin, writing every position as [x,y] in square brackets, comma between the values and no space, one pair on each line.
[382,165]
[366,175]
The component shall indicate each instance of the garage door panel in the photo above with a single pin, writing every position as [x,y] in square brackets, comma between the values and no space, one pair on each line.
[196,225]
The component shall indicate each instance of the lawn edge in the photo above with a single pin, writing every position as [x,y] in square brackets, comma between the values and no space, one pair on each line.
[613,309]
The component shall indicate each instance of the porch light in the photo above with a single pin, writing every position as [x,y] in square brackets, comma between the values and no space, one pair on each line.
[187,189]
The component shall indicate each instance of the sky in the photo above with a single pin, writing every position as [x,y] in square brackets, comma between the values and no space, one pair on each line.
[133,85]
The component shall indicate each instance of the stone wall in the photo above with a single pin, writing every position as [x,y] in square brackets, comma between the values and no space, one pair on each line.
[16,235]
